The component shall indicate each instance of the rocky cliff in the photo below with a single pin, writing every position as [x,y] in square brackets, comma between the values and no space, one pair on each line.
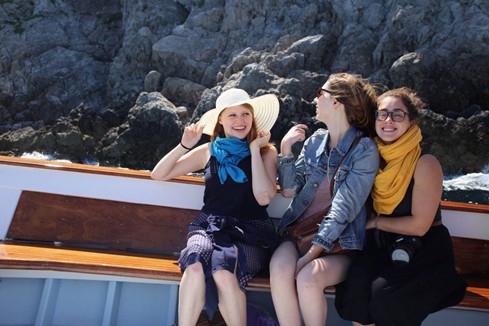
[115,81]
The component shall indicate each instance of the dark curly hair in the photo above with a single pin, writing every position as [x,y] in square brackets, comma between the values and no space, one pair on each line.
[409,98]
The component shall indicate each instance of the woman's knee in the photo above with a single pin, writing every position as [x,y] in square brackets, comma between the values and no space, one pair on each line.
[283,261]
[194,270]
[281,269]
[225,279]
[384,304]
[306,279]
[389,304]
[352,299]
[324,271]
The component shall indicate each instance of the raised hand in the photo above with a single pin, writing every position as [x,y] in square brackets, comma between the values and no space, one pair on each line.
[192,134]
[262,139]
[296,134]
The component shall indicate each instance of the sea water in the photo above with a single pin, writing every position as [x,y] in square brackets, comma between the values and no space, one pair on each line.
[468,188]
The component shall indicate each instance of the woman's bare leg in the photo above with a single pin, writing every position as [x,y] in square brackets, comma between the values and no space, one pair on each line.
[232,300]
[191,295]
[282,283]
[311,282]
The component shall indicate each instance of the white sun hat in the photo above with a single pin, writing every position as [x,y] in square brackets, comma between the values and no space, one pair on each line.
[265,109]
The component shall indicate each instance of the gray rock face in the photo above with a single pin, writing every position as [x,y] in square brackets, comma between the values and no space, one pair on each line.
[116,81]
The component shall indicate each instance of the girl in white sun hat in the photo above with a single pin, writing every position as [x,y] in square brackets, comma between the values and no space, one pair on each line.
[232,238]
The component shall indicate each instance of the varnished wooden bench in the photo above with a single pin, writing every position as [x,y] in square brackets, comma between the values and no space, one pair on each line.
[74,234]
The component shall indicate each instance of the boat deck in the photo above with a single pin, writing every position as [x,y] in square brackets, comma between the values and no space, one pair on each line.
[107,240]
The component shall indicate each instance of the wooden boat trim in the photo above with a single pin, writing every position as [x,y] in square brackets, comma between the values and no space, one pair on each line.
[84,168]
[113,171]
[90,261]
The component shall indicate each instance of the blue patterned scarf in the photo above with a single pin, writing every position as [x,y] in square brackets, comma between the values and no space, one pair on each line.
[229,152]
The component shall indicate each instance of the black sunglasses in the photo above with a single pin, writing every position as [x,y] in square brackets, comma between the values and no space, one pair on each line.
[320,92]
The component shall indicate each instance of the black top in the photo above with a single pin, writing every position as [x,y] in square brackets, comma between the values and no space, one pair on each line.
[405,206]
[231,198]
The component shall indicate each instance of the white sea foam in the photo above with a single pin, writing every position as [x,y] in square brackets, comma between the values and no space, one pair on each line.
[40,156]
[471,181]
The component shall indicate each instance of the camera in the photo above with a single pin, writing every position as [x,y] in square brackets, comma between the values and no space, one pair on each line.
[403,249]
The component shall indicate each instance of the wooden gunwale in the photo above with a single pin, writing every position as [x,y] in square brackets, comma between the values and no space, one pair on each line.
[113,171]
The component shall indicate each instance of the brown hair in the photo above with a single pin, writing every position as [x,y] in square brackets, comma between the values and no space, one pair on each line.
[409,98]
[359,98]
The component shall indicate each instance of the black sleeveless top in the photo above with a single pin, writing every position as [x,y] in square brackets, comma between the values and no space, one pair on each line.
[231,198]
[404,207]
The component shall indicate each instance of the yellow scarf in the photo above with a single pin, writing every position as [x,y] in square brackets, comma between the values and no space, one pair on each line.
[392,181]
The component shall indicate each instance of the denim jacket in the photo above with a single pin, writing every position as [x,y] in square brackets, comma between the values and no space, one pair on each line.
[353,181]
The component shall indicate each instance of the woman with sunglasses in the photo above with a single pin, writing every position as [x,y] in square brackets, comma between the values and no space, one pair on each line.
[407,268]
[346,104]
